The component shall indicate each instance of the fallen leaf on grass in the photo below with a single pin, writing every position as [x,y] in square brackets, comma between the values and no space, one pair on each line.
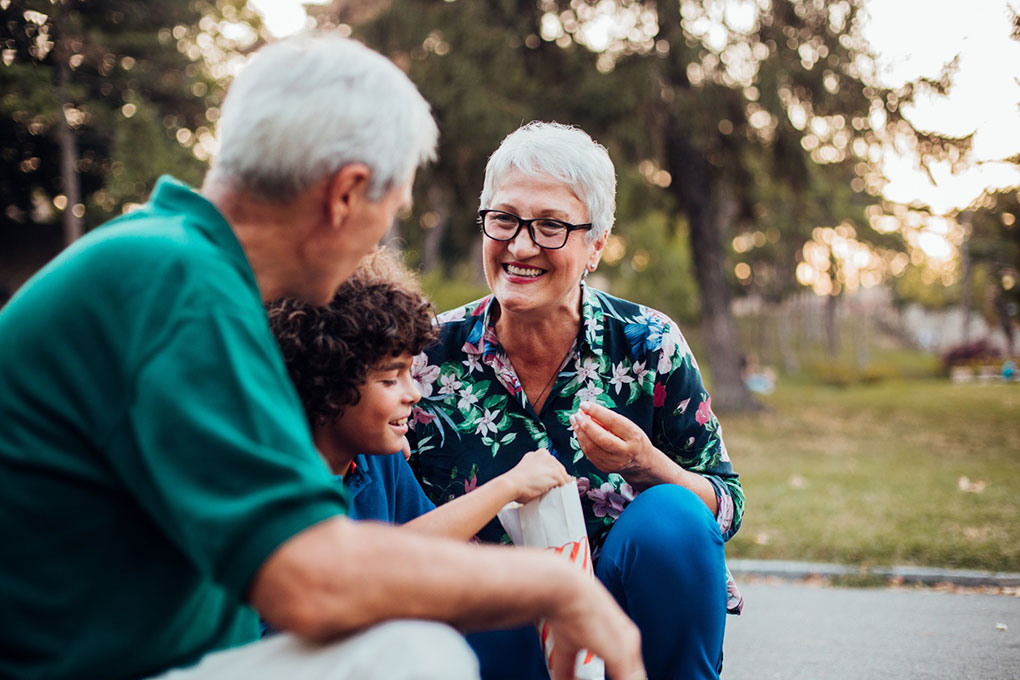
[977,533]
[964,484]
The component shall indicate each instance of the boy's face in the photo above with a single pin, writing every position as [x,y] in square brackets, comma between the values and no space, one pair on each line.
[376,425]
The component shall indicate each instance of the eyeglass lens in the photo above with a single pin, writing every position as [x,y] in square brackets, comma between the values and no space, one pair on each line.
[546,233]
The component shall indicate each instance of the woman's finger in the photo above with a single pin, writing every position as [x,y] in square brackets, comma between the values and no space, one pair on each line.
[619,425]
[598,435]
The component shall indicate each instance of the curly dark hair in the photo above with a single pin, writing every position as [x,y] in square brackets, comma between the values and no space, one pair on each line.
[380,311]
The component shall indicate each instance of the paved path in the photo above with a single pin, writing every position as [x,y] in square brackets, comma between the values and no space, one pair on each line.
[798,632]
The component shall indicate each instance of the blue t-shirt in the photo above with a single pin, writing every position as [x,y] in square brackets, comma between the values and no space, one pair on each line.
[384,488]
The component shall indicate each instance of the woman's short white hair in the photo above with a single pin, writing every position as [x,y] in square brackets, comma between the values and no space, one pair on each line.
[565,153]
[306,106]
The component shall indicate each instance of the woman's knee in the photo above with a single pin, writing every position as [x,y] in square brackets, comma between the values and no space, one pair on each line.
[669,514]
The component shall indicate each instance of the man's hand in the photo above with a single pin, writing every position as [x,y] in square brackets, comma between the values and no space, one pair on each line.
[537,472]
[592,620]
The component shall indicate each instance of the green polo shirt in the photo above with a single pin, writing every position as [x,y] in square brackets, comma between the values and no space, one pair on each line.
[153,451]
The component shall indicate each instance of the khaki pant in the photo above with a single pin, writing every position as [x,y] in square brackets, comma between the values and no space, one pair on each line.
[397,650]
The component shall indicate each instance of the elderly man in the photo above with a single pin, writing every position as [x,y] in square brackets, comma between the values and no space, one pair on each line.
[159,488]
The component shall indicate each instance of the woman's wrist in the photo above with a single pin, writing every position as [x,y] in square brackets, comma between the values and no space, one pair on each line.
[654,468]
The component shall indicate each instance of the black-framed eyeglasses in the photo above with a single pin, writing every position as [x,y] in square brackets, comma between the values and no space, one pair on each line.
[545,232]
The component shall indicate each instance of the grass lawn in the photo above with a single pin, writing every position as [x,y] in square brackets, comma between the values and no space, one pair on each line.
[871,475]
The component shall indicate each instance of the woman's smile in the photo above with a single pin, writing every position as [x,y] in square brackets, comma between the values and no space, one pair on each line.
[522,273]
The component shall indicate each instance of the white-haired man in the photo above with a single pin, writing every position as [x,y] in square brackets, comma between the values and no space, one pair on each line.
[158,482]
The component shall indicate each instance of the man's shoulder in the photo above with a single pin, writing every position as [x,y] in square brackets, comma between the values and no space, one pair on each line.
[147,249]
[150,235]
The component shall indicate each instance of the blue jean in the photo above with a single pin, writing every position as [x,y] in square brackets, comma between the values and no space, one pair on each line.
[663,562]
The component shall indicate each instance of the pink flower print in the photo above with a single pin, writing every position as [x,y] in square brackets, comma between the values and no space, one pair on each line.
[470,484]
[483,304]
[424,374]
[449,383]
[658,395]
[420,416]
[704,413]
[487,423]
[606,501]
[505,373]
[640,371]
[450,316]
[620,377]
[583,484]
[587,369]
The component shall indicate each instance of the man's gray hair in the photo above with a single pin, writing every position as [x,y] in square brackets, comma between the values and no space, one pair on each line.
[565,153]
[306,106]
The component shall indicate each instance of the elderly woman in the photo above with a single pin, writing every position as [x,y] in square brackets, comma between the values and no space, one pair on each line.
[609,386]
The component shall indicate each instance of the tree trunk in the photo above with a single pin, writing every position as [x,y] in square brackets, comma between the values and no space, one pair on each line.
[707,224]
[784,330]
[702,195]
[965,280]
[831,326]
[68,153]
[1002,311]
[861,324]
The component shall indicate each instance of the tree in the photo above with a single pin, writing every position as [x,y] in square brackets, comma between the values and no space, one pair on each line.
[732,106]
[102,97]
[993,249]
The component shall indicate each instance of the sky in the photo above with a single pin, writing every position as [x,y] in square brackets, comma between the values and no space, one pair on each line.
[912,39]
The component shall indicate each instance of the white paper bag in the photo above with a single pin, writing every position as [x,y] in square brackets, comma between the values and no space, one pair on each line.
[555,522]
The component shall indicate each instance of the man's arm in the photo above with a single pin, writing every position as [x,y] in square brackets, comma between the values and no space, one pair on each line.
[341,576]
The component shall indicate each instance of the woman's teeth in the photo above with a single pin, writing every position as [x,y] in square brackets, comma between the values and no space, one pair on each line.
[400,422]
[521,271]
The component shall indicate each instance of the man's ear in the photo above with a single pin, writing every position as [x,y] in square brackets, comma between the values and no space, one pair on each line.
[348,185]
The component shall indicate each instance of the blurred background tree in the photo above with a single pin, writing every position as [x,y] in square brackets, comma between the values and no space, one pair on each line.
[99,99]
[751,124]
[748,137]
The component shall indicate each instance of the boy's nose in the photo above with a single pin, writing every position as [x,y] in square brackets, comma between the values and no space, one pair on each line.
[413,393]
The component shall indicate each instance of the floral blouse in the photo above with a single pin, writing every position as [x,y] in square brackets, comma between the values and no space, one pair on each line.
[474,421]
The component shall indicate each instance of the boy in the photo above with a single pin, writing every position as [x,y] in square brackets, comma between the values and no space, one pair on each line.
[351,364]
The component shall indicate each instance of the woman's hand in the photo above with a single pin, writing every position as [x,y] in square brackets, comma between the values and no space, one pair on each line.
[613,443]
[537,472]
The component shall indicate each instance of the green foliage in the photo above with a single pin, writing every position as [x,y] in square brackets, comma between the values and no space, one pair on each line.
[656,267]
[136,85]
[448,293]
[993,246]
[760,128]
